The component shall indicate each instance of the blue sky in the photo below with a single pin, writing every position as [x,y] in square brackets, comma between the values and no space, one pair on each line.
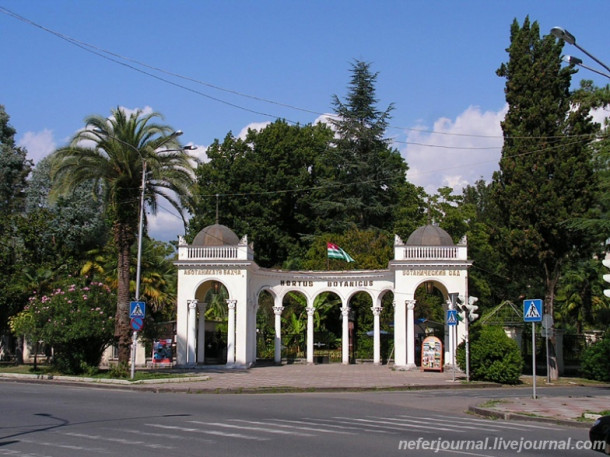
[436,62]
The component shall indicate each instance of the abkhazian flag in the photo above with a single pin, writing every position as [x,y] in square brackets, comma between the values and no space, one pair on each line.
[335,252]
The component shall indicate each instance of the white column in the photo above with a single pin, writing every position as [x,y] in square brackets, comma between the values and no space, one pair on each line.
[277,310]
[400,332]
[310,312]
[410,334]
[345,336]
[376,335]
[201,334]
[192,332]
[231,333]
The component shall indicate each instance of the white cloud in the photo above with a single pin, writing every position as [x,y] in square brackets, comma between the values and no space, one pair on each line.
[38,144]
[252,126]
[457,152]
[128,111]
[165,225]
[200,153]
[601,115]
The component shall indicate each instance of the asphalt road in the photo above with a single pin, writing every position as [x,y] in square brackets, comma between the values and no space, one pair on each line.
[64,421]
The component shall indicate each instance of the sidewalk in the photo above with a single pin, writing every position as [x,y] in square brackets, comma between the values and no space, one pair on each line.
[572,411]
[360,377]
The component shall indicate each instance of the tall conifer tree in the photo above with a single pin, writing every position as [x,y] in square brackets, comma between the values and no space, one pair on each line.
[546,177]
[366,172]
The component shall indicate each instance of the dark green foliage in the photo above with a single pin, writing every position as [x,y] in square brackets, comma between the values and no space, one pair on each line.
[263,186]
[546,176]
[494,357]
[368,173]
[14,169]
[596,361]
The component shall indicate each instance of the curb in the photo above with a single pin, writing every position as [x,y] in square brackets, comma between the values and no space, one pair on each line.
[82,380]
[495,414]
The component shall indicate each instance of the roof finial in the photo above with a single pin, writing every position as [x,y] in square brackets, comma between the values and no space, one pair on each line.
[217,209]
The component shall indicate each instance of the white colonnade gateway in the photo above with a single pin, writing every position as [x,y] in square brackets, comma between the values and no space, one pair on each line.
[217,257]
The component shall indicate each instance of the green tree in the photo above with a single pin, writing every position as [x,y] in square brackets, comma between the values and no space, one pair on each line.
[14,170]
[112,152]
[546,176]
[364,176]
[263,186]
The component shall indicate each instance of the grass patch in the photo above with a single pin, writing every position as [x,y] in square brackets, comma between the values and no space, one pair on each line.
[139,375]
[493,403]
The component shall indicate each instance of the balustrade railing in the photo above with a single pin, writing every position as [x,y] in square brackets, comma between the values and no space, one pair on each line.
[216,252]
[431,252]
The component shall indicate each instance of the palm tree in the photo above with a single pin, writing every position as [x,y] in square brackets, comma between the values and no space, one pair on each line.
[113,153]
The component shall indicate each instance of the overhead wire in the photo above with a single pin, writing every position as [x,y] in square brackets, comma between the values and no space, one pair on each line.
[114,57]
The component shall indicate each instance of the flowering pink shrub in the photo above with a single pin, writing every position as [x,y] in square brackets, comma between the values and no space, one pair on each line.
[76,318]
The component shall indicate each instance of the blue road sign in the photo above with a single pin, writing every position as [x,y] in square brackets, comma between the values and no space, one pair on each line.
[532,310]
[137,323]
[137,309]
[452,318]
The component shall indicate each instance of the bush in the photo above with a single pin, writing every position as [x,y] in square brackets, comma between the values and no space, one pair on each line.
[596,361]
[494,357]
[76,319]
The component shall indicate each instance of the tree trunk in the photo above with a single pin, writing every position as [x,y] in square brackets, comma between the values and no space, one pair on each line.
[122,327]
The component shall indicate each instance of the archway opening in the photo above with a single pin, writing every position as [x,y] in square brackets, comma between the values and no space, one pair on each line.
[265,331]
[327,328]
[360,324]
[294,326]
[429,313]
[214,295]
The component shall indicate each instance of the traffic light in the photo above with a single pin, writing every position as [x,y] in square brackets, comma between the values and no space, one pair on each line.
[606,277]
[470,309]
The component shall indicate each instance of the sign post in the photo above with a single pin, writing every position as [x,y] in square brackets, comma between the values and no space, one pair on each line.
[452,321]
[137,313]
[532,312]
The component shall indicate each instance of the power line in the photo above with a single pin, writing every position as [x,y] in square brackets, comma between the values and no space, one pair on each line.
[113,57]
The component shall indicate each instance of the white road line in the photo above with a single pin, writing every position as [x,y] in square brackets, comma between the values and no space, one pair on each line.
[112,439]
[512,425]
[430,419]
[347,427]
[209,432]
[385,429]
[65,446]
[271,424]
[157,435]
[21,454]
[256,429]
[407,426]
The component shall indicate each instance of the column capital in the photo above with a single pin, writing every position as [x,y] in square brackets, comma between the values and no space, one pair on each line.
[192,304]
[376,310]
[410,304]
[345,311]
[231,304]
[310,310]
[277,310]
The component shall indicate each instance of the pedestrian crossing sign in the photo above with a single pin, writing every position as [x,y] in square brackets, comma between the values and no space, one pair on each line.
[452,318]
[532,310]
[137,309]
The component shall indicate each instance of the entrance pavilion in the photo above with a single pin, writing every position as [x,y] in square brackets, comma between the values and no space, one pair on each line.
[217,255]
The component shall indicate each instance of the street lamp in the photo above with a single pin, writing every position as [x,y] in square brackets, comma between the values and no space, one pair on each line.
[566,36]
